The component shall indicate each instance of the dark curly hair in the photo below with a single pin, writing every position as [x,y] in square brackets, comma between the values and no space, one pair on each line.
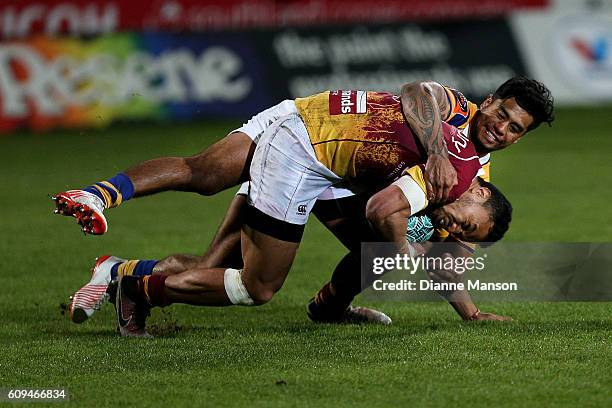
[531,95]
[500,211]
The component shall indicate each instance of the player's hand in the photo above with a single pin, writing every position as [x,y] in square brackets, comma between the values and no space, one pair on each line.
[444,276]
[440,178]
[491,316]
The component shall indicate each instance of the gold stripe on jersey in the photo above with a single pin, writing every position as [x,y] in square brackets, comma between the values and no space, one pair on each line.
[486,169]
[416,172]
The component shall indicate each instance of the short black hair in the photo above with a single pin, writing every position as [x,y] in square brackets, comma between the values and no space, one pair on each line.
[531,95]
[500,211]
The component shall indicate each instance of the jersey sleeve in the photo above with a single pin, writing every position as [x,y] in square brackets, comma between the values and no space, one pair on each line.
[412,184]
[461,109]
[485,168]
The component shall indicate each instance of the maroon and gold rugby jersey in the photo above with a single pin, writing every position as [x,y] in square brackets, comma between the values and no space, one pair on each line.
[364,138]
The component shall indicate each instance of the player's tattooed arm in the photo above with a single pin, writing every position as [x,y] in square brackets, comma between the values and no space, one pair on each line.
[425,106]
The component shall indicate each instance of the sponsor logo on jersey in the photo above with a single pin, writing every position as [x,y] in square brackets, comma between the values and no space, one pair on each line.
[347,102]
[301,210]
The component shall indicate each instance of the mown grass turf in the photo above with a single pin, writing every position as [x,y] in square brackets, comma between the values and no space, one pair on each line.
[551,354]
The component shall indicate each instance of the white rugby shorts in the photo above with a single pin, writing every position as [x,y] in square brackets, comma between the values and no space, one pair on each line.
[286,176]
[255,126]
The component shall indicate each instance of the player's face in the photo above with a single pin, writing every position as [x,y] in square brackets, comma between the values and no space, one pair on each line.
[467,218]
[501,122]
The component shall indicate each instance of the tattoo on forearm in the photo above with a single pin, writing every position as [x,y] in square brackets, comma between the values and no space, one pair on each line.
[423,115]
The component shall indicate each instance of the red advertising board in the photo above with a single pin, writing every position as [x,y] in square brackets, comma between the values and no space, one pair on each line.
[20,18]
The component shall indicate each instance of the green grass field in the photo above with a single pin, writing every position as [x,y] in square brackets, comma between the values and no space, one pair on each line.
[552,354]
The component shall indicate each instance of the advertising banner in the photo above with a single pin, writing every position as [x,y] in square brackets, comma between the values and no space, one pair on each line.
[66,82]
[47,83]
[386,56]
[569,47]
[21,18]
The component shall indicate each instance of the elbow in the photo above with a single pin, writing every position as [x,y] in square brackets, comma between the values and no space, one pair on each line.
[374,212]
[411,87]
[378,211]
[386,206]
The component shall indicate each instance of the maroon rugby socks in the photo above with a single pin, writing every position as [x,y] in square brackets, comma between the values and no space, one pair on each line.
[153,289]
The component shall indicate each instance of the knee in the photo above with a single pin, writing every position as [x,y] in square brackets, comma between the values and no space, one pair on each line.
[260,293]
[262,290]
[250,292]
[203,181]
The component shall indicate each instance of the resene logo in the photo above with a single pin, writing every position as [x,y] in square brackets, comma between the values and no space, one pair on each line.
[583,49]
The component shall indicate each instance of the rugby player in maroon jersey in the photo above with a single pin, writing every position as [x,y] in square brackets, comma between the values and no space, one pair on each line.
[224,248]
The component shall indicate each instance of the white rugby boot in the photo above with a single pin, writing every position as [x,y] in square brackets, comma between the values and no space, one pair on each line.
[86,207]
[96,292]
